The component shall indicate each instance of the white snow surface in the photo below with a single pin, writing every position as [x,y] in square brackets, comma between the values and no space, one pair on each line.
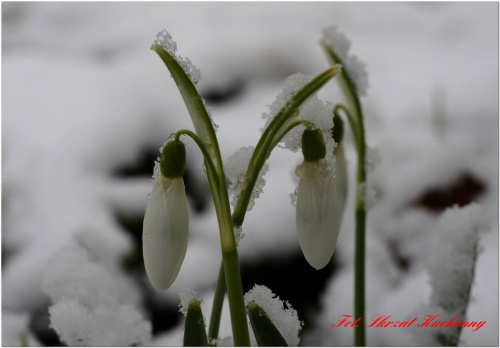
[92,306]
[80,100]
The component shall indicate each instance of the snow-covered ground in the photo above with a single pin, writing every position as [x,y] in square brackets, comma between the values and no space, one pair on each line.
[84,97]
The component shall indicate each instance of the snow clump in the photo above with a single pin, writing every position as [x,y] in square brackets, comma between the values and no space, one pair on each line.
[451,268]
[236,168]
[293,84]
[93,306]
[164,39]
[355,68]
[281,313]
[186,297]
[451,265]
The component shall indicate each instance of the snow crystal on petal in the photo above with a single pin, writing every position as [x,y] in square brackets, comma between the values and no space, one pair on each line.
[337,41]
[236,167]
[185,297]
[281,313]
[358,74]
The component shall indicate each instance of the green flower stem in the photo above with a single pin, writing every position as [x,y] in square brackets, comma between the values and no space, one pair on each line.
[264,146]
[291,126]
[360,214]
[206,133]
[352,121]
[220,291]
[360,248]
[209,165]
[230,261]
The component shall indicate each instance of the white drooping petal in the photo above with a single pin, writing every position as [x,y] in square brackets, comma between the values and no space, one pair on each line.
[318,214]
[165,231]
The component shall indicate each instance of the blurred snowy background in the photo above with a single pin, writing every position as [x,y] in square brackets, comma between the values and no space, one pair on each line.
[86,105]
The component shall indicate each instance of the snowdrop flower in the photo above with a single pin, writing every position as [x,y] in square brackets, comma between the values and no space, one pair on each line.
[166,222]
[318,211]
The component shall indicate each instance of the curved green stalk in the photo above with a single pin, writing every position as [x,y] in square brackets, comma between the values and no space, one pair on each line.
[209,165]
[291,126]
[360,214]
[206,132]
[352,121]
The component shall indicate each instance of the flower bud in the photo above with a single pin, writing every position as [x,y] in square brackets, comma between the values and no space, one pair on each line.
[313,145]
[318,212]
[173,159]
[338,129]
[166,222]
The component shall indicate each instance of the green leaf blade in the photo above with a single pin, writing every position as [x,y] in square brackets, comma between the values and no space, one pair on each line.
[266,334]
[194,103]
[195,334]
